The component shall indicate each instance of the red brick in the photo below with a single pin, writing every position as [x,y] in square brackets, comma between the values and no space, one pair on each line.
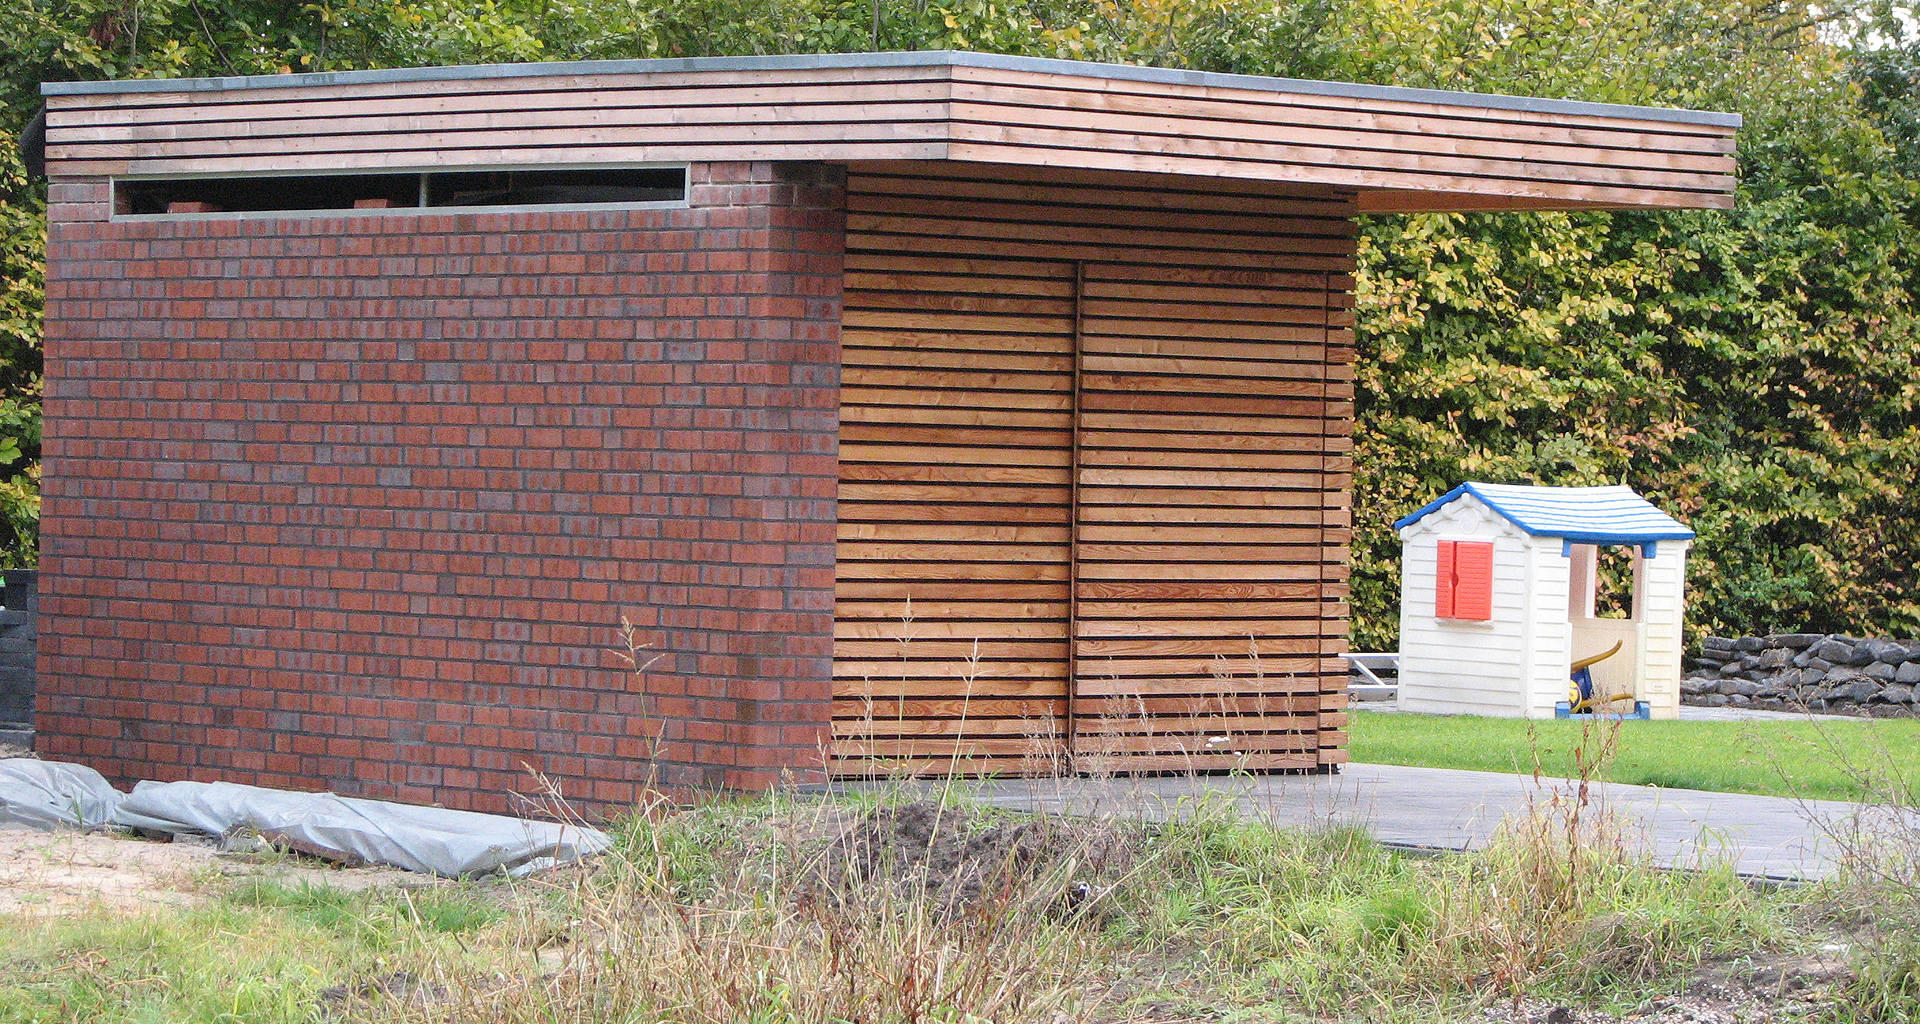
[358,502]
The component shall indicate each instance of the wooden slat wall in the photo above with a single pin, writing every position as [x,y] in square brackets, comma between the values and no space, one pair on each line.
[955,485]
[1211,523]
[1200,429]
[1411,155]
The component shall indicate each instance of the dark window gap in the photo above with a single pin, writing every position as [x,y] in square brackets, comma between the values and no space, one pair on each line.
[262,194]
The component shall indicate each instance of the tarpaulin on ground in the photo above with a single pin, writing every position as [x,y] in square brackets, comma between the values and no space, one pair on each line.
[354,831]
[51,794]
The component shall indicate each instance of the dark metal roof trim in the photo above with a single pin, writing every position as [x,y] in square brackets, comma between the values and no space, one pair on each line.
[921,58]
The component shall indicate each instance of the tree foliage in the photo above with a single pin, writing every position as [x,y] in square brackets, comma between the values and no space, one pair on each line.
[1754,371]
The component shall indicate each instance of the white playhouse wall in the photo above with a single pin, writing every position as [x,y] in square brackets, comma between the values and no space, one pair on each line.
[1516,664]
[1502,667]
[1661,609]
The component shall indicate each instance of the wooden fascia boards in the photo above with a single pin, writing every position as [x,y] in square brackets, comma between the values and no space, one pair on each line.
[1395,150]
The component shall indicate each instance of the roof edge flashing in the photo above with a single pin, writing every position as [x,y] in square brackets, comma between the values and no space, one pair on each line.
[1577,536]
[905,59]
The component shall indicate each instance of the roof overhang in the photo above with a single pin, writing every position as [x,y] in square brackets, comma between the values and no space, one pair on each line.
[1582,515]
[1396,150]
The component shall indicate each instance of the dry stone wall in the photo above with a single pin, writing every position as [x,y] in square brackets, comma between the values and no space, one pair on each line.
[1832,673]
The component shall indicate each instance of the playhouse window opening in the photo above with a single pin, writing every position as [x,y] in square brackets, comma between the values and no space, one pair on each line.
[1613,583]
[1602,581]
[304,193]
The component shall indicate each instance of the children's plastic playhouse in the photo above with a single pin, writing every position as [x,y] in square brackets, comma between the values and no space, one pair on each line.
[1498,598]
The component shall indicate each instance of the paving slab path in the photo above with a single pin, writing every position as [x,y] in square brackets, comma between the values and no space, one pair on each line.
[1448,809]
[1688,713]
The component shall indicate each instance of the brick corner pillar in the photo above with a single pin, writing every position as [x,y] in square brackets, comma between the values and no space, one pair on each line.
[75,715]
[773,718]
[358,501]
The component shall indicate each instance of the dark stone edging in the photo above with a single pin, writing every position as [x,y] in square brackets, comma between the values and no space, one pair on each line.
[1826,673]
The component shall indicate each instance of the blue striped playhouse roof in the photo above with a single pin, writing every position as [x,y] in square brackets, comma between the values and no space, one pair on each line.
[1588,515]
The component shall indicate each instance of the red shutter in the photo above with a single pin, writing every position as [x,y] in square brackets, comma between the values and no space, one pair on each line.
[1443,575]
[1473,580]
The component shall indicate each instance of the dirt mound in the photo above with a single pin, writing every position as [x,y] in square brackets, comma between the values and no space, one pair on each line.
[960,858]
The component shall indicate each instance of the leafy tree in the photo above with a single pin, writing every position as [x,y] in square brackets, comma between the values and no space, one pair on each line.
[1753,370]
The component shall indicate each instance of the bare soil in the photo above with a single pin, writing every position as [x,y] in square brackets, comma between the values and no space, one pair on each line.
[1764,989]
[61,873]
[958,857]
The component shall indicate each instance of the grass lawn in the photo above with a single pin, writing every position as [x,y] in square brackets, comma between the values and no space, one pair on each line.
[1830,760]
[797,911]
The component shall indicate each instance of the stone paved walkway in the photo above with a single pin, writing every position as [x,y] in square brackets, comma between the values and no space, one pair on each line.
[1688,713]
[1445,809]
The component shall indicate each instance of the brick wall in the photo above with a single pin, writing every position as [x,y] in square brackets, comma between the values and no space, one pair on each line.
[359,501]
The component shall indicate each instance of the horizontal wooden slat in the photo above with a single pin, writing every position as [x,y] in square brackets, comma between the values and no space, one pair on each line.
[1182,590]
[1280,244]
[957,493]
[1124,689]
[979,590]
[883,512]
[1165,590]
[1224,515]
[945,669]
[1043,730]
[952,455]
[1030,147]
[1196,742]
[861,765]
[1362,161]
[893,628]
[989,437]
[1310,420]
[1199,706]
[939,747]
[924,648]
[1207,546]
[921,572]
[870,362]
[270,99]
[1096,764]
[356,124]
[951,710]
[1025,215]
[1190,453]
[939,609]
[1061,117]
[1650,143]
[858,691]
[1121,196]
[949,532]
[987,480]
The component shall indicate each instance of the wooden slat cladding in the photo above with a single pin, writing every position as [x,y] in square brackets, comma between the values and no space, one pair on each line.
[1399,151]
[955,480]
[1205,390]
[826,114]
[1094,451]
[1459,151]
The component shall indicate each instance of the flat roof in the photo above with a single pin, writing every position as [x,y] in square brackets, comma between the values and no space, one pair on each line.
[897,59]
[1392,149]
